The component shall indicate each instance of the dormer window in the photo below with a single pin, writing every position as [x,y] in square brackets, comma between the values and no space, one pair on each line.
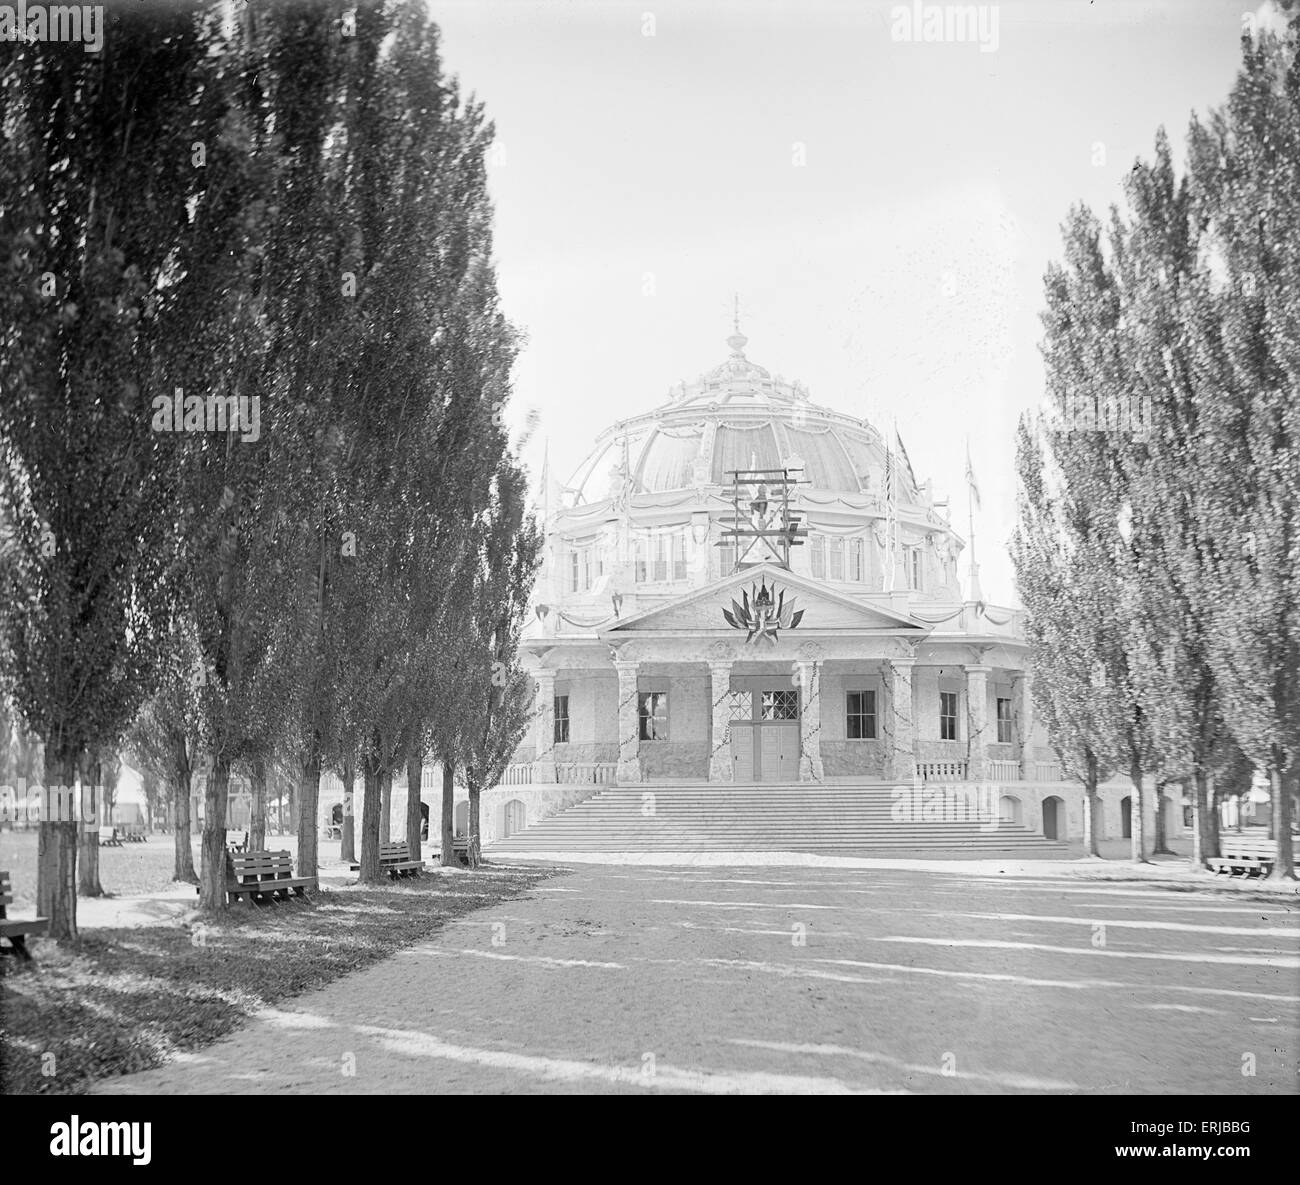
[837,559]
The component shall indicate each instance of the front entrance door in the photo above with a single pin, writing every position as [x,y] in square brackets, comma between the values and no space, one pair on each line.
[765,747]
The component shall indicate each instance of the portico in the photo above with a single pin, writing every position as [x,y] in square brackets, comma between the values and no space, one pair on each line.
[859,691]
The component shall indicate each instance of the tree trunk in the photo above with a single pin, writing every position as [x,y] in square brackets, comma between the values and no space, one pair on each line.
[473,850]
[308,828]
[257,813]
[1090,810]
[183,864]
[56,850]
[370,807]
[212,864]
[386,806]
[448,808]
[348,845]
[1212,817]
[1137,813]
[1200,823]
[1280,810]
[90,800]
[414,819]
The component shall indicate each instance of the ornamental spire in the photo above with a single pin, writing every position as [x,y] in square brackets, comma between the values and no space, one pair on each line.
[737,340]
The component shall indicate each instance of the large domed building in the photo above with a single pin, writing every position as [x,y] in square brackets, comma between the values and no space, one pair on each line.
[743,586]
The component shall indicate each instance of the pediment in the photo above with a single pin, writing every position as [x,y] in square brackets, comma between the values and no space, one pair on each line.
[701,610]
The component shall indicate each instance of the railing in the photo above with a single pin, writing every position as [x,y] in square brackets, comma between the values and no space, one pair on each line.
[941,771]
[567,773]
[1004,771]
[571,773]
[1047,771]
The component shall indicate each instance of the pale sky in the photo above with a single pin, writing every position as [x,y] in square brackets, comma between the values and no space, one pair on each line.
[640,180]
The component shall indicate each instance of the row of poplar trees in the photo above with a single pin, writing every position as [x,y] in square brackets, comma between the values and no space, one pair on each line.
[1158,547]
[285,204]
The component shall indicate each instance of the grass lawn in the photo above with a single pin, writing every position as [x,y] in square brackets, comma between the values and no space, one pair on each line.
[131,868]
[124,1000]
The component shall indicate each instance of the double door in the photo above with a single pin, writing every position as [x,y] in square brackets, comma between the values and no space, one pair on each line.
[765,736]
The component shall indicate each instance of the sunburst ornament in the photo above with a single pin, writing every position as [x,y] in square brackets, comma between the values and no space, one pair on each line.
[763,615]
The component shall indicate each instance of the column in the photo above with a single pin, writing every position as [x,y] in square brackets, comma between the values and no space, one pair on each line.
[720,766]
[977,723]
[899,721]
[1022,707]
[629,725]
[810,720]
[544,762]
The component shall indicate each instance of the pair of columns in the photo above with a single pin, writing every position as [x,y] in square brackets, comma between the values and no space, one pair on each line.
[978,732]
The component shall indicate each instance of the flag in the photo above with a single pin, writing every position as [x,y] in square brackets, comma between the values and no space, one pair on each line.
[971,483]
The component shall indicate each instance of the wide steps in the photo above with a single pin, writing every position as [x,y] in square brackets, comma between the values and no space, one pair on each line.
[695,817]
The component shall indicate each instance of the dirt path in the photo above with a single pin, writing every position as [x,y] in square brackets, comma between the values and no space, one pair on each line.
[705,979]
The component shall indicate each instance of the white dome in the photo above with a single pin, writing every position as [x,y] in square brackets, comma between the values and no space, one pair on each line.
[734,417]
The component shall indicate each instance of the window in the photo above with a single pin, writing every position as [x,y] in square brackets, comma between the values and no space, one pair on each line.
[586,567]
[913,557]
[561,719]
[947,715]
[780,705]
[573,570]
[661,558]
[679,556]
[859,560]
[837,559]
[642,575]
[817,550]
[652,709]
[1004,721]
[860,715]
[726,558]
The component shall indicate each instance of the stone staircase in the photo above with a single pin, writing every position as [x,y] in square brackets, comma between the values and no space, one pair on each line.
[829,819]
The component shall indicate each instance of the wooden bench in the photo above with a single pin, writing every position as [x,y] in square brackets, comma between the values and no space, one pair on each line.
[254,875]
[459,848]
[132,832]
[236,841]
[16,929]
[395,859]
[1246,855]
[109,838]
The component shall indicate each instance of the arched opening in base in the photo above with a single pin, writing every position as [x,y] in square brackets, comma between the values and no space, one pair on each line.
[513,817]
[1053,818]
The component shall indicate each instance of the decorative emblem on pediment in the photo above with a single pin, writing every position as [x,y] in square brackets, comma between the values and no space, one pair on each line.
[721,651]
[764,614]
[812,651]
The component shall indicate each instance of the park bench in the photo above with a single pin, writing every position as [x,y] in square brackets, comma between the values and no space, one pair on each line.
[236,841]
[252,875]
[109,838]
[459,848]
[1248,855]
[16,929]
[395,859]
[132,832]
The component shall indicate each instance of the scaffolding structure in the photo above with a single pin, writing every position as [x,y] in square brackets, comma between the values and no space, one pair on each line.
[762,515]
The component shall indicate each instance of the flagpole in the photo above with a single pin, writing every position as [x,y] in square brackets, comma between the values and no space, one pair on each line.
[976,593]
[970,508]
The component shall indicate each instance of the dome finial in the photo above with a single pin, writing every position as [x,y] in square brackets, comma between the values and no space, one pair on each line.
[737,340]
